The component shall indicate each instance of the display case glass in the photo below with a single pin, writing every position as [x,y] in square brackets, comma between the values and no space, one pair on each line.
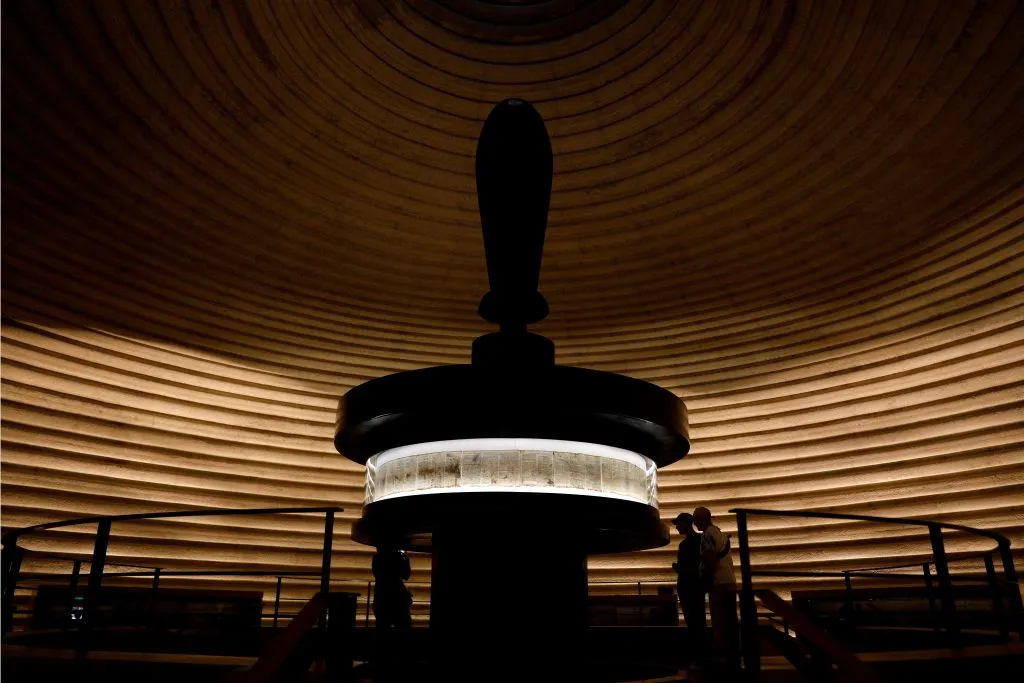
[510,464]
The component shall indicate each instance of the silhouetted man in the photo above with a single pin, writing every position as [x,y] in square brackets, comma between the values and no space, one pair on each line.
[392,602]
[717,570]
[689,586]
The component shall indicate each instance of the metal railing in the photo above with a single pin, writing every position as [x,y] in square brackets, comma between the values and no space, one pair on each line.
[335,613]
[942,596]
[940,559]
[13,554]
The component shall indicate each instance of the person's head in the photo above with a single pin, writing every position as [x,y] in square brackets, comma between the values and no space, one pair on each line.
[684,523]
[702,518]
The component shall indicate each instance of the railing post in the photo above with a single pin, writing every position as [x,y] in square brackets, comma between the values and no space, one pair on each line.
[945,584]
[369,598]
[154,597]
[929,588]
[99,559]
[748,605]
[12,556]
[1010,579]
[277,601]
[76,573]
[325,567]
[997,595]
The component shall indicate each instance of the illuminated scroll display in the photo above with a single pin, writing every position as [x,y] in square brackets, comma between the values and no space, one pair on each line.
[516,465]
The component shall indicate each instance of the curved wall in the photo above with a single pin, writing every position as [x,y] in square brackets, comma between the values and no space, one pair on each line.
[806,220]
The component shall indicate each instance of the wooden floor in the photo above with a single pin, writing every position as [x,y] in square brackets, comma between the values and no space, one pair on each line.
[774,668]
[23,652]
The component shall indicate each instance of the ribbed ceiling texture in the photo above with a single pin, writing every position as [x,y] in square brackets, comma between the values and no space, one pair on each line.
[804,218]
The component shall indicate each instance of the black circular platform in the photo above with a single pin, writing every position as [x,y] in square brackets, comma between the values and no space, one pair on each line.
[597,524]
[481,401]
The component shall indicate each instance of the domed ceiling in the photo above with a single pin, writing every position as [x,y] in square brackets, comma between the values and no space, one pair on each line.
[803,218]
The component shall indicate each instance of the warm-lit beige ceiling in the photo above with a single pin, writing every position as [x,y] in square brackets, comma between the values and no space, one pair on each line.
[803,217]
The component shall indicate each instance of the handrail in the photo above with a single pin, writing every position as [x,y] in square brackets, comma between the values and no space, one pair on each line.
[335,615]
[211,512]
[940,559]
[13,553]
[284,644]
[850,667]
[26,552]
[832,574]
[1001,540]
[187,572]
[994,535]
[951,557]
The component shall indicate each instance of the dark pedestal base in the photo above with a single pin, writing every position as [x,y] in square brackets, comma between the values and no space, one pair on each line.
[507,600]
[509,579]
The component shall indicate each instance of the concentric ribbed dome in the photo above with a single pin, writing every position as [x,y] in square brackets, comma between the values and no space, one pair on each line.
[803,218]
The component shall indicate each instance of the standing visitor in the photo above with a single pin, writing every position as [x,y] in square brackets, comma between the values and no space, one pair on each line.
[717,570]
[689,586]
[392,602]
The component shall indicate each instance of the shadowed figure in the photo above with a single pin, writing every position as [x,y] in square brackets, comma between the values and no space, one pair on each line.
[690,587]
[392,601]
[717,572]
[392,605]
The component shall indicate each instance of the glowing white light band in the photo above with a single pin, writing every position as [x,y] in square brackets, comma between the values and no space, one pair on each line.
[511,444]
[521,465]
